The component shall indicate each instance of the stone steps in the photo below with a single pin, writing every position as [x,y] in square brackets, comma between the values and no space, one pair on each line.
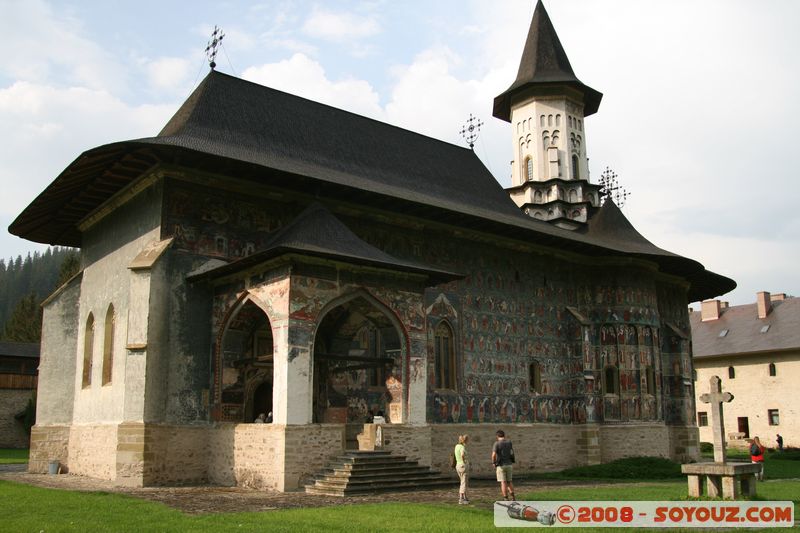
[363,472]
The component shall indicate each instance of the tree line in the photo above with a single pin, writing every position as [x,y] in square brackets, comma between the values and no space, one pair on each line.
[25,283]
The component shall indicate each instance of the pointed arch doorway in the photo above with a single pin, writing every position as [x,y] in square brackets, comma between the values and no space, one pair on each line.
[245,364]
[358,350]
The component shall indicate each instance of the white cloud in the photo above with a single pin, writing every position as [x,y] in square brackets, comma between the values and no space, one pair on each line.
[169,74]
[305,77]
[53,126]
[46,44]
[340,27]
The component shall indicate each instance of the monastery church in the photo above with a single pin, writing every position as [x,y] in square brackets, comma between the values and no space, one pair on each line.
[266,253]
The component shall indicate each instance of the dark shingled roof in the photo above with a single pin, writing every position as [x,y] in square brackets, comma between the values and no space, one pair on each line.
[544,63]
[19,349]
[316,232]
[744,330]
[234,127]
[610,226]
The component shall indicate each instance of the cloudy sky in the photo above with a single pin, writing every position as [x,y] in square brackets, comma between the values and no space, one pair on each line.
[698,117]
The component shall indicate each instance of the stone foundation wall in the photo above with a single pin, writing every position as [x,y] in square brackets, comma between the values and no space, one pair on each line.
[412,441]
[12,432]
[278,457]
[93,451]
[624,440]
[588,450]
[308,450]
[175,455]
[130,454]
[537,447]
[684,443]
[48,443]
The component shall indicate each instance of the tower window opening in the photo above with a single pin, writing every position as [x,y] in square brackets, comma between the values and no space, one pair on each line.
[576,174]
[529,168]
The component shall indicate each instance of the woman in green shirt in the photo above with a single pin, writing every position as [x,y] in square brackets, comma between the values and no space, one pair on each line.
[462,468]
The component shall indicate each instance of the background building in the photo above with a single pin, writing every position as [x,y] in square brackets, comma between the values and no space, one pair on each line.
[755,349]
[18,367]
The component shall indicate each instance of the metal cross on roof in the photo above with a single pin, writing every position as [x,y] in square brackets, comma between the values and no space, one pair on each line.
[213,45]
[610,188]
[470,130]
[716,398]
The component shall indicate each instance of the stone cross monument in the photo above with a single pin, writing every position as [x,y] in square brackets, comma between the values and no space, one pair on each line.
[720,478]
[716,398]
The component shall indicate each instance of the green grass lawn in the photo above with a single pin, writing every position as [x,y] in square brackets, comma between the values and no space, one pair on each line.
[13,456]
[777,465]
[45,510]
[35,509]
[650,479]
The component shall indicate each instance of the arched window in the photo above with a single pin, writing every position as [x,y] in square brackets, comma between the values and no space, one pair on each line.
[445,356]
[535,377]
[108,345]
[772,370]
[576,172]
[611,380]
[88,348]
[731,373]
[537,197]
[529,168]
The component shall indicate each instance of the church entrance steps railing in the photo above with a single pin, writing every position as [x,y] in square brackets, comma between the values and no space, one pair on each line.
[365,472]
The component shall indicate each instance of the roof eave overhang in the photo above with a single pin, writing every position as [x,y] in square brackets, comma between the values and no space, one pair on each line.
[503,102]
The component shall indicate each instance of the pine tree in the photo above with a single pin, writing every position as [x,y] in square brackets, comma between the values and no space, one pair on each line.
[25,324]
[69,266]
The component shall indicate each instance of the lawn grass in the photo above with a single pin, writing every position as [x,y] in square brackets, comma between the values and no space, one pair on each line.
[777,465]
[37,509]
[47,510]
[13,456]
[632,468]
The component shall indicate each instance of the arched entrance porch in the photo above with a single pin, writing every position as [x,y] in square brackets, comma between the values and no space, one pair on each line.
[245,364]
[358,354]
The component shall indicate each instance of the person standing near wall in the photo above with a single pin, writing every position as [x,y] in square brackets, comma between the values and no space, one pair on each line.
[757,456]
[462,468]
[503,459]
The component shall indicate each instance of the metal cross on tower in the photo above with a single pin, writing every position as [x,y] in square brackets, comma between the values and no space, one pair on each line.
[470,130]
[610,188]
[213,46]
[716,398]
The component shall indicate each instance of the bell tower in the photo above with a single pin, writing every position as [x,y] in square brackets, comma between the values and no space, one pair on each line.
[546,106]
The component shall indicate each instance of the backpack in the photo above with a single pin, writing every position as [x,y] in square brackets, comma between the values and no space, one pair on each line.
[452,460]
[755,450]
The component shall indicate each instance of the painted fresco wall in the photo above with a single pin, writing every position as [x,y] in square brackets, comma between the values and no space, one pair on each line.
[510,310]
